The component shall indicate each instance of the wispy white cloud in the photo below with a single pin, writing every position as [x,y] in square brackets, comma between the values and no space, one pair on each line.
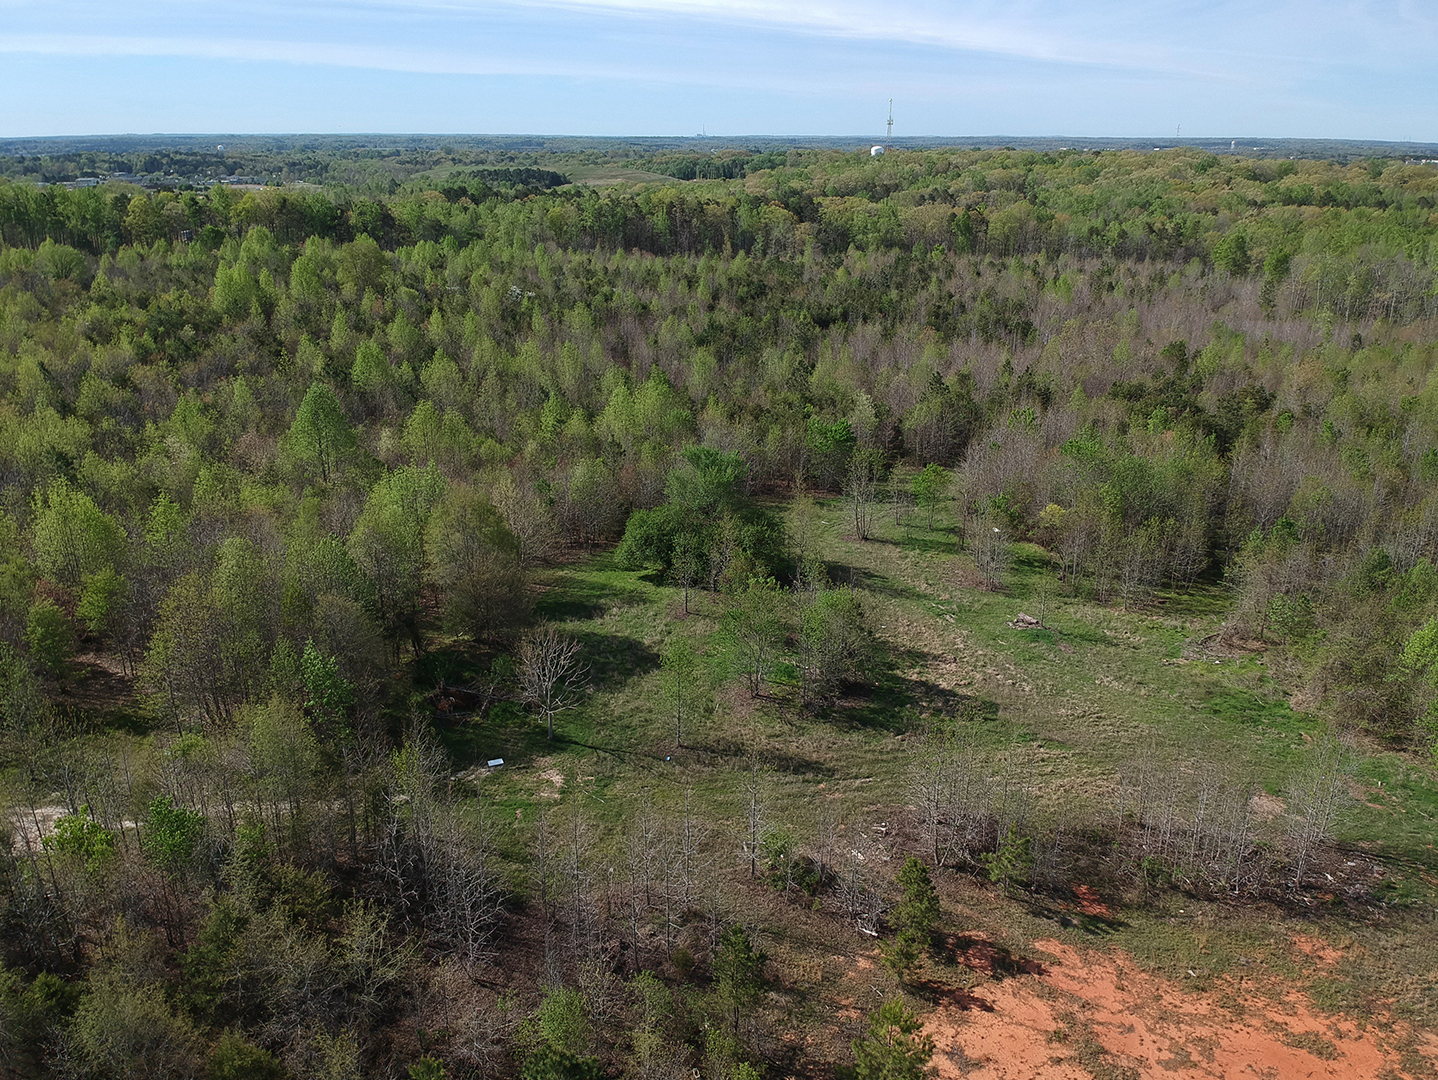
[496,59]
[1044,32]
[1040,32]
[383,58]
[1077,66]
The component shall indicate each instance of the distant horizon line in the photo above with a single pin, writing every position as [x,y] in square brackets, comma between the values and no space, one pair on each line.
[1162,141]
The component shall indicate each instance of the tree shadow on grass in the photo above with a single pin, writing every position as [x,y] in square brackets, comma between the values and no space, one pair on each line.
[1077,907]
[894,699]
[506,731]
[1093,925]
[723,749]
[931,544]
[614,659]
[458,663]
[867,580]
[582,597]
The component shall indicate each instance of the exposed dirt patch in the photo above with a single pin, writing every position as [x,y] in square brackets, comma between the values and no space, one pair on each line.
[1317,948]
[1223,645]
[555,779]
[1089,902]
[736,703]
[1266,807]
[98,683]
[1081,1015]
[990,958]
[29,828]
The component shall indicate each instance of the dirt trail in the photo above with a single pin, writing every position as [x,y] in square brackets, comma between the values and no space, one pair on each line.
[1093,1016]
[30,827]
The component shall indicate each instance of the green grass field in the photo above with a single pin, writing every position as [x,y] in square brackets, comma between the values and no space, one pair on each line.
[1066,708]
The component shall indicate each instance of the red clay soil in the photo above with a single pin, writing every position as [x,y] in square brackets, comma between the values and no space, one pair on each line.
[1095,1016]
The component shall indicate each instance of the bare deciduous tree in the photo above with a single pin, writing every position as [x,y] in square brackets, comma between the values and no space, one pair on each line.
[756,814]
[862,486]
[680,669]
[552,676]
[1317,797]
[993,554]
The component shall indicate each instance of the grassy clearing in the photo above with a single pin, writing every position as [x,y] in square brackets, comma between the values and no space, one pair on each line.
[1070,706]
[607,175]
[1065,708]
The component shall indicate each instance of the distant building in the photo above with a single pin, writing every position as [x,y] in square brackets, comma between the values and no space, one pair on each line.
[877,151]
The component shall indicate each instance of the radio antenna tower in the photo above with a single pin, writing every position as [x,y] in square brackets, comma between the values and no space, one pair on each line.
[889,137]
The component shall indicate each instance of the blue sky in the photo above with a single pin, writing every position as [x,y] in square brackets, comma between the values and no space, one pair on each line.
[1318,68]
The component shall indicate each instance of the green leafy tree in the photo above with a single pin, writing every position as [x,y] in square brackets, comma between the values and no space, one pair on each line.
[74,538]
[166,534]
[551,1063]
[1231,253]
[235,1058]
[738,975]
[1419,661]
[81,837]
[321,436]
[328,695]
[144,221]
[894,1048]
[388,544]
[171,834]
[122,1030]
[916,916]
[475,560]
[706,517]
[829,445]
[32,1019]
[51,638]
[902,955]
[285,757]
[753,624]
[918,909]
[427,1068]
[102,599]
[1010,865]
[25,711]
[216,967]
[559,1035]
[929,487]
[834,642]
[184,666]
[1271,564]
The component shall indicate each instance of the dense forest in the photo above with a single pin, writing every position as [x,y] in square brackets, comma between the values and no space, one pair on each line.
[316,498]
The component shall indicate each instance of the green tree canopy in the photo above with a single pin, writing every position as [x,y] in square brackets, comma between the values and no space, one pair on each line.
[321,436]
[893,1048]
[74,538]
